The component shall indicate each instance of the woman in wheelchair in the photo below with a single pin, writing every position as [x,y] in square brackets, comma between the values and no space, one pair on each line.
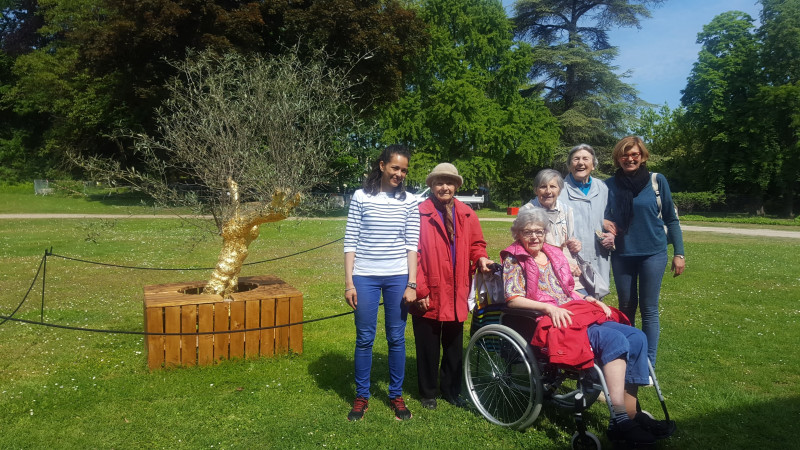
[536,276]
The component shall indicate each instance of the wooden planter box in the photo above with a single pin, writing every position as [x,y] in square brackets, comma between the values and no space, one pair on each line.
[264,301]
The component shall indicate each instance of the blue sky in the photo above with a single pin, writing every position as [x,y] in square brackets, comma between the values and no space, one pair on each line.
[660,55]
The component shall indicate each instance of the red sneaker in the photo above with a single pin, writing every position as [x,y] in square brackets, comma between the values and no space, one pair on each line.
[400,410]
[360,406]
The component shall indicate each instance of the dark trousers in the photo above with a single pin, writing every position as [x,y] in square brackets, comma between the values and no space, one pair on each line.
[430,335]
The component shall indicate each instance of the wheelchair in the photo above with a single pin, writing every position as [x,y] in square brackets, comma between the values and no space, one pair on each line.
[508,380]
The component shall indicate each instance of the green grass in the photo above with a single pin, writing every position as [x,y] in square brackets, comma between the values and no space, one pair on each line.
[728,364]
[68,199]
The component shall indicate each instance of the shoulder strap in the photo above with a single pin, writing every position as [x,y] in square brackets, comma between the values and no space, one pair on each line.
[654,182]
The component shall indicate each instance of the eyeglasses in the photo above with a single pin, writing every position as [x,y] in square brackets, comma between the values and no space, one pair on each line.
[527,234]
[633,156]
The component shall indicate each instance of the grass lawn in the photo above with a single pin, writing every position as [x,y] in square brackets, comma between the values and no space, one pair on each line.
[729,364]
[19,199]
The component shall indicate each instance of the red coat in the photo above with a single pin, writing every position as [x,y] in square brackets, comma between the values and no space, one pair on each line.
[570,345]
[448,291]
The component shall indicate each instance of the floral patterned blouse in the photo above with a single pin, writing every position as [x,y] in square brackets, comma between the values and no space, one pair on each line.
[514,281]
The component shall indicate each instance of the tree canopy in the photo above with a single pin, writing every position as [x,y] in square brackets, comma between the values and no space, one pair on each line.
[462,104]
[737,130]
[573,67]
[86,68]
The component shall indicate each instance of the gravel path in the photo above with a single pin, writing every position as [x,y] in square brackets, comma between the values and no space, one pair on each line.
[704,229]
[761,232]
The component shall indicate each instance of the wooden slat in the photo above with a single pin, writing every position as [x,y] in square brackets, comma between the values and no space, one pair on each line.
[296,331]
[205,342]
[188,341]
[237,323]
[172,344]
[252,315]
[221,340]
[268,320]
[282,318]
[177,299]
[154,323]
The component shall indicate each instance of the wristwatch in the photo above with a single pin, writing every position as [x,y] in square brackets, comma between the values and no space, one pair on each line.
[412,285]
[681,257]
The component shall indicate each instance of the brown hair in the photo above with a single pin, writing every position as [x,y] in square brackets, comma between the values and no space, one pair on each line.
[372,184]
[626,144]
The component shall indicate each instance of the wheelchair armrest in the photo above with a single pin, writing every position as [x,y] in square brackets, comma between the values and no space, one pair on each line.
[522,312]
[523,321]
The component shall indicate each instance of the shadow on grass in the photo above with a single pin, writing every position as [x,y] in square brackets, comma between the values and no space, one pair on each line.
[333,371]
[767,424]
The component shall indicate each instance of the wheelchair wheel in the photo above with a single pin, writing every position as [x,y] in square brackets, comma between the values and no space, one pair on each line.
[586,442]
[502,377]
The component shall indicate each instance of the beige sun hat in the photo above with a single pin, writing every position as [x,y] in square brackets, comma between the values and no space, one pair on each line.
[445,170]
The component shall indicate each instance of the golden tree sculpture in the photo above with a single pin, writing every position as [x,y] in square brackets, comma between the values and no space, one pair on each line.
[250,135]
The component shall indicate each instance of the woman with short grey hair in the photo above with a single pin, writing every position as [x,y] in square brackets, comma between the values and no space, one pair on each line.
[532,216]
[548,185]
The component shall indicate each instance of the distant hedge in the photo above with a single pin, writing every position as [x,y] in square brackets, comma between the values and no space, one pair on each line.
[688,202]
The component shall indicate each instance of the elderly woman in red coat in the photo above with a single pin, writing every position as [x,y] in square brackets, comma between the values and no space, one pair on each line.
[451,246]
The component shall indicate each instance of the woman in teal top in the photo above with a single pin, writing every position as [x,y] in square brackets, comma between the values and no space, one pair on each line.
[640,257]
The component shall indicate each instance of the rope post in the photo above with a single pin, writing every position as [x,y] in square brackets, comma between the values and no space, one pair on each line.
[44,277]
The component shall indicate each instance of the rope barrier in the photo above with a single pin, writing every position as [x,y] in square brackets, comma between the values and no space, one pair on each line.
[198,333]
[43,264]
[191,268]
[25,297]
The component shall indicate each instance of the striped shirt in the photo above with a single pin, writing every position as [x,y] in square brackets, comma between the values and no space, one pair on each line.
[381,230]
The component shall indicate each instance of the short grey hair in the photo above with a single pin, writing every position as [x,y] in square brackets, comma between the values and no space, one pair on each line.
[580,147]
[529,216]
[546,175]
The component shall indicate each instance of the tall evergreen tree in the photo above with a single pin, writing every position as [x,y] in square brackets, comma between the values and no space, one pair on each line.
[573,63]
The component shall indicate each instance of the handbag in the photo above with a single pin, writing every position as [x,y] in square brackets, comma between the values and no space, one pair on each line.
[593,283]
[487,288]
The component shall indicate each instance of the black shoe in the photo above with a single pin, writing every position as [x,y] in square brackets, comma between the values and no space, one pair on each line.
[360,406]
[400,410]
[661,429]
[428,403]
[458,402]
[630,432]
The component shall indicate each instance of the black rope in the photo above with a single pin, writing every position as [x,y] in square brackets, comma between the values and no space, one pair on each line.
[198,333]
[193,268]
[43,264]
[25,297]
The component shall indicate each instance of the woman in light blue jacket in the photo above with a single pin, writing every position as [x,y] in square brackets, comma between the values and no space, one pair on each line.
[588,197]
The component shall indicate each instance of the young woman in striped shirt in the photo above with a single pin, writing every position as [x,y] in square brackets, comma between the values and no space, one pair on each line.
[380,258]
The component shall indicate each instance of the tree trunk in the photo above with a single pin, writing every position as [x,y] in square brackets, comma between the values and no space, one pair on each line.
[235,244]
[237,234]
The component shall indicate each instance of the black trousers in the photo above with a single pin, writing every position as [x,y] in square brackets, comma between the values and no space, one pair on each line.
[429,336]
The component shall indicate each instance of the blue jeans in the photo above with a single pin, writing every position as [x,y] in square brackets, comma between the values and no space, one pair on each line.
[368,291]
[612,340]
[646,272]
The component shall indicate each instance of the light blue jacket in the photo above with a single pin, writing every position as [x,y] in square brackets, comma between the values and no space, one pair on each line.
[588,211]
